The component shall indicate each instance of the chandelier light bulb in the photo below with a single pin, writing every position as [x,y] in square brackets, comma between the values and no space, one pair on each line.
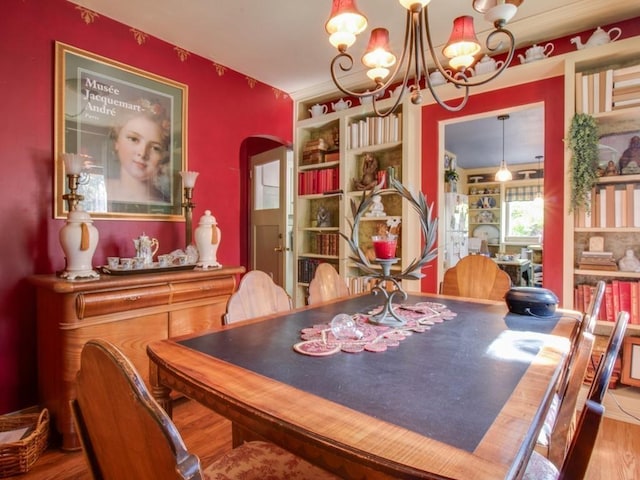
[377,73]
[462,62]
[339,39]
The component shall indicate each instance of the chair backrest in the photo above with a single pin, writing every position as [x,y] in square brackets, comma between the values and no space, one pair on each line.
[257,295]
[593,310]
[561,431]
[587,325]
[326,285]
[123,431]
[579,453]
[476,276]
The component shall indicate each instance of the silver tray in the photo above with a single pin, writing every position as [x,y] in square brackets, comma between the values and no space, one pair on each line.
[153,268]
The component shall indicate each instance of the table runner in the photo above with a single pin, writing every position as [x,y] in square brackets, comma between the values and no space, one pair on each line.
[319,340]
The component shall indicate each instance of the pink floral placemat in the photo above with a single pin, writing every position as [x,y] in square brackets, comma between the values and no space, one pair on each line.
[319,340]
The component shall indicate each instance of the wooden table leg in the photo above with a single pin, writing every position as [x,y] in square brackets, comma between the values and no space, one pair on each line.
[160,393]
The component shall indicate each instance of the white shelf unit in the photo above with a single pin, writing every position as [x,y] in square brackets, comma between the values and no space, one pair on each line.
[403,154]
[619,229]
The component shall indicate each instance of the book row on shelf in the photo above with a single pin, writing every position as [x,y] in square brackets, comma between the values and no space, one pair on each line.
[619,296]
[326,244]
[608,90]
[374,131]
[612,205]
[312,182]
[307,268]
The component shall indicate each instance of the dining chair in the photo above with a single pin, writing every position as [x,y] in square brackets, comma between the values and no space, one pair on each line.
[326,284]
[125,434]
[576,461]
[552,439]
[257,295]
[476,276]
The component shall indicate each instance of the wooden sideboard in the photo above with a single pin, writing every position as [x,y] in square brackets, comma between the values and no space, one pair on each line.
[129,311]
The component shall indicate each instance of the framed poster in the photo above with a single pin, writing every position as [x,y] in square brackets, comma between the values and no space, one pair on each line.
[631,362]
[130,128]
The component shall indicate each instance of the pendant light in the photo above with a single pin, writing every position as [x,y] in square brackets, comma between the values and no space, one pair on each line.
[503,174]
[538,200]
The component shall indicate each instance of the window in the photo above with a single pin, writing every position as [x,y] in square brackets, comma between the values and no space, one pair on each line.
[524,214]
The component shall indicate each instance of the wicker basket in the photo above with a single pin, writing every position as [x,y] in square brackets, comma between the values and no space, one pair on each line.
[18,457]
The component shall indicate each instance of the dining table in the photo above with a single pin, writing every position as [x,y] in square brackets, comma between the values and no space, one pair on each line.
[457,388]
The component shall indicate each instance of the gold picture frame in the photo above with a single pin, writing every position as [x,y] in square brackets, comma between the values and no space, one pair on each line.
[130,127]
[630,374]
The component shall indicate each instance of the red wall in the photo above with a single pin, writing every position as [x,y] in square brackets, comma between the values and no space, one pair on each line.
[224,114]
[551,92]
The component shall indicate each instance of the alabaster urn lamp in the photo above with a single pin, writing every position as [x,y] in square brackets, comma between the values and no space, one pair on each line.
[78,237]
[207,240]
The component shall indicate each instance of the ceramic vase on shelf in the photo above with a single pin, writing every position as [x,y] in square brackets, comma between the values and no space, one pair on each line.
[79,239]
[207,240]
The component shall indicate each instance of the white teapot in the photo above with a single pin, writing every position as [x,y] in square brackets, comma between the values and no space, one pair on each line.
[437,78]
[341,105]
[146,248]
[536,52]
[486,65]
[598,37]
[317,110]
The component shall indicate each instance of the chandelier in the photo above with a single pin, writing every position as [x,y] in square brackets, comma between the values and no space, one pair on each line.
[345,22]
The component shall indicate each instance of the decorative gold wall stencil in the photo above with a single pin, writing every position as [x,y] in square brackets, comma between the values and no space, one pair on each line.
[221,69]
[140,37]
[182,53]
[87,15]
[279,93]
[251,82]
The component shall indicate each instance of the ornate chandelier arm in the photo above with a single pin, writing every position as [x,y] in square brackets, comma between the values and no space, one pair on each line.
[443,71]
[464,82]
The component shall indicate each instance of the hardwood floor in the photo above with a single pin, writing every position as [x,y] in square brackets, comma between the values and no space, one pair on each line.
[617,454]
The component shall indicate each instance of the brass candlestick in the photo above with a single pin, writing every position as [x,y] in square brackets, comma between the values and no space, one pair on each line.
[72,198]
[188,214]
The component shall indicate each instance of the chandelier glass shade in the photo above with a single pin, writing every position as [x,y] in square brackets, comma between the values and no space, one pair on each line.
[346,22]
[503,174]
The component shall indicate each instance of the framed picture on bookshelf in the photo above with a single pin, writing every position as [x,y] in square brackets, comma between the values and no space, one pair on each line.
[631,362]
[129,126]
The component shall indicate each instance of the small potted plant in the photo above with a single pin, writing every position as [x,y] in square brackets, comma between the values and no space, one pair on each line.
[451,178]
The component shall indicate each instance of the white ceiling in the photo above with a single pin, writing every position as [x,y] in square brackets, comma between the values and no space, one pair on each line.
[283,42]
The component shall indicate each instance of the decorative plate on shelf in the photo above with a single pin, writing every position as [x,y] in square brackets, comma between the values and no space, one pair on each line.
[526,174]
[490,233]
[486,202]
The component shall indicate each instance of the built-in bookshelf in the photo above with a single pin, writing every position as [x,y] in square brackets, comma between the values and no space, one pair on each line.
[339,157]
[606,84]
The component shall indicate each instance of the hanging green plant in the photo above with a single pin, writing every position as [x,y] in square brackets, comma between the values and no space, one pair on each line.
[583,142]
[451,175]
